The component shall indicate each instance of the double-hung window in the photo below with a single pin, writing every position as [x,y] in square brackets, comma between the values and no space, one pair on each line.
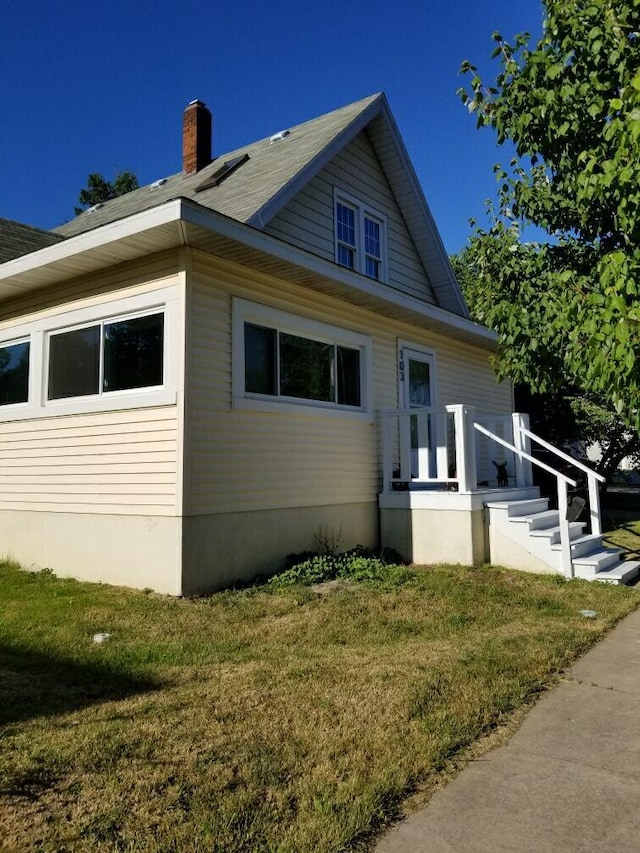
[360,237]
[282,359]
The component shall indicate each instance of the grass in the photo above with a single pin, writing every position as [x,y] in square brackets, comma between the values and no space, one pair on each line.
[624,533]
[270,719]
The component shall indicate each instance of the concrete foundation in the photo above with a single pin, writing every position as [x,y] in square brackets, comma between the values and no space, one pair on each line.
[125,550]
[440,527]
[221,549]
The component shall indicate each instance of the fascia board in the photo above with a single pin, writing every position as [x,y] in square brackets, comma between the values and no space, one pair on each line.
[434,234]
[258,240]
[100,237]
[183,212]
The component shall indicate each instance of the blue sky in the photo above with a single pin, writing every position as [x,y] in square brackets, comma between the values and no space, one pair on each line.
[100,86]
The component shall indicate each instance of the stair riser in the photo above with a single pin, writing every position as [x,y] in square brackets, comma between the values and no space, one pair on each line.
[585,570]
[582,549]
[576,530]
[538,506]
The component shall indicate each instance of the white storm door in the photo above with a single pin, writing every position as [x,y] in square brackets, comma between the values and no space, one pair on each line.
[417,370]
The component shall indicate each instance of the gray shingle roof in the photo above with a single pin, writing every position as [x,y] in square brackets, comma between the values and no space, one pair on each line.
[249,189]
[17,239]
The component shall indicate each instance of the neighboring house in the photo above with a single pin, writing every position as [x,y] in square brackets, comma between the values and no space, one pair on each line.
[199,375]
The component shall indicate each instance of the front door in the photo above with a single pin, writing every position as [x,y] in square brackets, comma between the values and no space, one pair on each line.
[417,378]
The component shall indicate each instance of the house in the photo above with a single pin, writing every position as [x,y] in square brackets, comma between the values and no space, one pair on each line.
[198,376]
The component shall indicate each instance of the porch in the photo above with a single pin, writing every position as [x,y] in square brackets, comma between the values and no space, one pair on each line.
[458,487]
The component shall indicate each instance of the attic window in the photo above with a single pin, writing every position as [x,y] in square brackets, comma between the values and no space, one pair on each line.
[223,172]
[360,237]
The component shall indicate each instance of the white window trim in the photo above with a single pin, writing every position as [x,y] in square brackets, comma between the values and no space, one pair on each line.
[38,331]
[362,210]
[263,315]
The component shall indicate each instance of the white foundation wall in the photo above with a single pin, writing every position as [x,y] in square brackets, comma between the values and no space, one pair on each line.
[228,547]
[126,550]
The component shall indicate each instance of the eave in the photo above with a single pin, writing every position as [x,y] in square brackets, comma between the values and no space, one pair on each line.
[182,222]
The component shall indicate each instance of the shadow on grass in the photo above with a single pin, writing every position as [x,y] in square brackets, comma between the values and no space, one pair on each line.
[35,685]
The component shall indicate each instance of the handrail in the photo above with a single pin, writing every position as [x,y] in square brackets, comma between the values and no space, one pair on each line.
[562,481]
[523,455]
[563,455]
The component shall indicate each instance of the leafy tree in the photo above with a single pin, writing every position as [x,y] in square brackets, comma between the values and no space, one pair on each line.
[566,415]
[99,190]
[566,309]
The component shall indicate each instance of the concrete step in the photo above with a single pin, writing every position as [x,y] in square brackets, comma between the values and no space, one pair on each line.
[538,520]
[517,508]
[590,564]
[553,533]
[580,546]
[623,573]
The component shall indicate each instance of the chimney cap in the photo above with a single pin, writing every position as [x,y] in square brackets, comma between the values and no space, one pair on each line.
[196,102]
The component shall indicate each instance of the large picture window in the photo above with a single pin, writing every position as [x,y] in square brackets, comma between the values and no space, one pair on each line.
[14,373]
[98,357]
[113,355]
[290,360]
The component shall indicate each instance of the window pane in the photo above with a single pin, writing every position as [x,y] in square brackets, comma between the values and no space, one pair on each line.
[346,257]
[348,376]
[372,268]
[133,352]
[372,237]
[419,383]
[74,363]
[14,373]
[259,359]
[306,369]
[345,224]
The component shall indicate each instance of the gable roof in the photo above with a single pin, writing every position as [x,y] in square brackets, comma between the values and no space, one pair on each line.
[257,189]
[245,193]
[17,239]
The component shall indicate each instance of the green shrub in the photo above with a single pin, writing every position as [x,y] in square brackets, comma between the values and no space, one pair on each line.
[359,564]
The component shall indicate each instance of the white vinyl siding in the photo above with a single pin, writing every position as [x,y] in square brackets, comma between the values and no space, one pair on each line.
[239,460]
[118,461]
[307,221]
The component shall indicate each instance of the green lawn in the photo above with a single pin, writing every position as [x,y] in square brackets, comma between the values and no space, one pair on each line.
[279,720]
[624,533]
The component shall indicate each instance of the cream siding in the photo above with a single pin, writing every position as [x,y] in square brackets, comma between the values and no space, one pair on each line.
[307,220]
[248,460]
[116,461]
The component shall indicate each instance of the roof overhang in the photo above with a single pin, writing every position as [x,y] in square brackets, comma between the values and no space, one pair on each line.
[182,222]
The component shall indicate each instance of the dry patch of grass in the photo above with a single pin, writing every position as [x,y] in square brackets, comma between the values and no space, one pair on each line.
[261,719]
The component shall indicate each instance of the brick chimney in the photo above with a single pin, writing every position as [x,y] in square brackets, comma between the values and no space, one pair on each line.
[196,137]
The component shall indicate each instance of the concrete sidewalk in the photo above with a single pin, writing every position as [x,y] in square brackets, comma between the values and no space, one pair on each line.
[568,780]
